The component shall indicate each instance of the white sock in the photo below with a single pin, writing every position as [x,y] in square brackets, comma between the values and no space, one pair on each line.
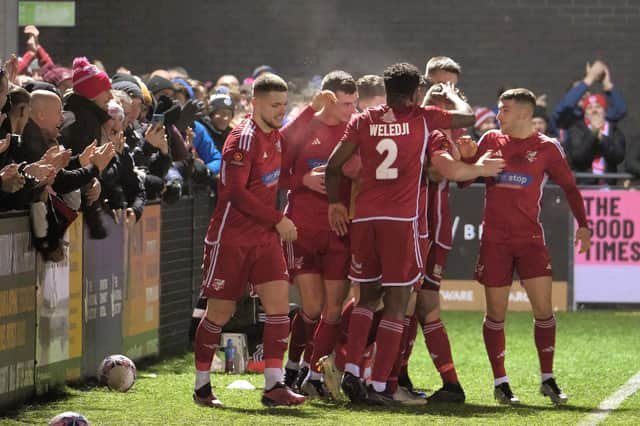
[292,365]
[314,376]
[378,386]
[500,380]
[202,378]
[271,377]
[352,368]
[546,376]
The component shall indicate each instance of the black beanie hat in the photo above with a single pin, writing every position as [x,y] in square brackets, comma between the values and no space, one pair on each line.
[129,88]
[220,101]
[157,83]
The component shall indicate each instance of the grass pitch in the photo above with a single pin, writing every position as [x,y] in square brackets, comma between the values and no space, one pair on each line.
[596,353]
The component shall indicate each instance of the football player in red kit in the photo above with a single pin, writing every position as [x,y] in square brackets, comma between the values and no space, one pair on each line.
[391,139]
[444,161]
[243,244]
[513,237]
[319,259]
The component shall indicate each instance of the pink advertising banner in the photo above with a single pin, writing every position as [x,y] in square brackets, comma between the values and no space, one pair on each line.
[614,218]
[610,271]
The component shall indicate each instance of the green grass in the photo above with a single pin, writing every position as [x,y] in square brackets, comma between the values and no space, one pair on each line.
[596,353]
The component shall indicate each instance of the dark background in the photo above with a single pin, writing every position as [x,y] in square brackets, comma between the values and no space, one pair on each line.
[539,44]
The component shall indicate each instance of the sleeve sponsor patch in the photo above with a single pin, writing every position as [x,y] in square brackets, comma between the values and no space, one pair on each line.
[237,158]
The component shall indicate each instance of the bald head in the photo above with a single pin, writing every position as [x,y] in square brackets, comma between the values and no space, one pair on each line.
[46,112]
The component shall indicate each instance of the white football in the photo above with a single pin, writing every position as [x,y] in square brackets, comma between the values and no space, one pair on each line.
[118,372]
[69,418]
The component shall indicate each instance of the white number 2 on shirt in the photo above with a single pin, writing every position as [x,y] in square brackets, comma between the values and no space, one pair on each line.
[384,170]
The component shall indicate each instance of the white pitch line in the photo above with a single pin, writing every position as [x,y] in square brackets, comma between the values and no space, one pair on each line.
[607,406]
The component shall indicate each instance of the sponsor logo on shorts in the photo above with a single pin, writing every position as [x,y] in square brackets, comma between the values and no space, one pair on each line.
[437,271]
[316,141]
[312,164]
[218,284]
[513,180]
[271,178]
[548,268]
[479,269]
[297,262]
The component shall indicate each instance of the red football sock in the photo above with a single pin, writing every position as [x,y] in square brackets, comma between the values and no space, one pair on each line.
[545,337]
[412,331]
[494,341]
[324,341]
[310,326]
[359,326]
[205,344]
[435,336]
[275,339]
[392,382]
[341,344]
[389,338]
[298,338]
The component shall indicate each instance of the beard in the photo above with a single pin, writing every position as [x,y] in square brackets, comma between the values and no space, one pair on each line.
[274,123]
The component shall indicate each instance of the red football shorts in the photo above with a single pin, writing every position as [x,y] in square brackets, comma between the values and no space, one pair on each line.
[228,271]
[387,251]
[318,252]
[436,261]
[497,261]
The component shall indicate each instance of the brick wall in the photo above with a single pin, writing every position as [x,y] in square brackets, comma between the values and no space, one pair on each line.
[540,44]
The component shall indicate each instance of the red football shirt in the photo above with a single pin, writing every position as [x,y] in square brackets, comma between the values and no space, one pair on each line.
[392,146]
[245,213]
[512,199]
[306,150]
[438,215]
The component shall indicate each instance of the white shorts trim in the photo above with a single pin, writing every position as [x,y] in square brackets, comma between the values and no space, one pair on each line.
[397,219]
[412,282]
[444,246]
[426,277]
[365,280]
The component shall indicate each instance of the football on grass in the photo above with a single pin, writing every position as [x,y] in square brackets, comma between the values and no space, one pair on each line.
[69,418]
[118,372]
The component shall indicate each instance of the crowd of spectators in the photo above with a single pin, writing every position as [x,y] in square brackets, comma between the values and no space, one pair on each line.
[76,139]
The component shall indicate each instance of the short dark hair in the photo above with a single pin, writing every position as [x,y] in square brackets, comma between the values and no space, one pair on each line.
[370,86]
[268,82]
[442,63]
[520,95]
[400,81]
[17,95]
[339,80]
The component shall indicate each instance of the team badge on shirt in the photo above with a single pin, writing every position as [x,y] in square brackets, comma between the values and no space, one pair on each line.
[531,156]
[278,146]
